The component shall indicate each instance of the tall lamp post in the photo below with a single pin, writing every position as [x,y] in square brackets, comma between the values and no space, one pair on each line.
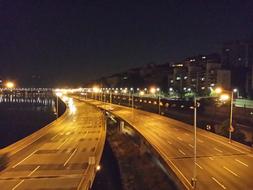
[132,91]
[194,178]
[154,91]
[225,97]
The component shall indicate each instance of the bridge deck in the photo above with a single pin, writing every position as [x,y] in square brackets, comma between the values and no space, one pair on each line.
[62,155]
[220,165]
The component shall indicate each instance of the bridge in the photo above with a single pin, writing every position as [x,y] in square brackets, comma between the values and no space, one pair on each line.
[220,164]
[63,155]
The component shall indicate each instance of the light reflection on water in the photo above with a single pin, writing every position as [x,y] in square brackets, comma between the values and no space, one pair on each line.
[23,113]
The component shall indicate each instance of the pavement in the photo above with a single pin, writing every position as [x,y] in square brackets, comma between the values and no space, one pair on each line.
[220,164]
[63,155]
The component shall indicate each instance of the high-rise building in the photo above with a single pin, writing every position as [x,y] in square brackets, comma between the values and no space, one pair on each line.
[237,56]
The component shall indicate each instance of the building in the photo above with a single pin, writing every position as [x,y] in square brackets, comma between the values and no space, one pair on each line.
[237,56]
[195,74]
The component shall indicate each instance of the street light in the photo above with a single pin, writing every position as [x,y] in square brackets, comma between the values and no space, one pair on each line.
[9,84]
[194,178]
[153,91]
[225,97]
[132,90]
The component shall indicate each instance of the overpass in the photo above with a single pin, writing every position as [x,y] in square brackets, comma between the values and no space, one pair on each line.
[220,165]
[63,155]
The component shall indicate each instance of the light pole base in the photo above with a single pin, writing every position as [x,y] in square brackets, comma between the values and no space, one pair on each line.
[193,183]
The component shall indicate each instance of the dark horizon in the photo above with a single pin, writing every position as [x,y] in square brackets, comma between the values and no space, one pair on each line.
[72,42]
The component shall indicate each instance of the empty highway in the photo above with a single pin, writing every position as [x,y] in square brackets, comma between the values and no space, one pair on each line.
[220,165]
[62,155]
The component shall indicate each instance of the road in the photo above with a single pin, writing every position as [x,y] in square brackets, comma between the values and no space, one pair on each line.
[220,165]
[63,155]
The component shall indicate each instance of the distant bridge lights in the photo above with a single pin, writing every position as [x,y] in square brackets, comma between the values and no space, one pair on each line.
[9,84]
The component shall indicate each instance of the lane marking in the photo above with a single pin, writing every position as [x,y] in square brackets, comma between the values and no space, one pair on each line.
[210,158]
[199,166]
[61,144]
[179,138]
[34,170]
[169,142]
[24,159]
[180,173]
[18,184]
[181,151]
[54,137]
[230,171]
[219,183]
[201,141]
[241,162]
[70,157]
[218,150]
[187,134]
[191,145]
[68,133]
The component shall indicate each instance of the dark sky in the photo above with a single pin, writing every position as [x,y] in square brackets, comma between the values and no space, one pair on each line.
[70,42]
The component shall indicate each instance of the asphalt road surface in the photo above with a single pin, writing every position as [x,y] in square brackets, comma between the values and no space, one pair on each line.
[220,164]
[62,156]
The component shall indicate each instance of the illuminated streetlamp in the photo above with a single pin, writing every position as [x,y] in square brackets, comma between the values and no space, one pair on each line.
[9,84]
[225,97]
[153,91]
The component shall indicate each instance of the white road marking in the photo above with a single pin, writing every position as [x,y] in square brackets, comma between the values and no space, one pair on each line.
[201,141]
[24,159]
[230,171]
[68,133]
[181,151]
[210,158]
[191,145]
[18,184]
[219,183]
[180,173]
[186,134]
[199,166]
[241,162]
[179,139]
[61,144]
[54,137]
[218,150]
[70,157]
[169,142]
[34,171]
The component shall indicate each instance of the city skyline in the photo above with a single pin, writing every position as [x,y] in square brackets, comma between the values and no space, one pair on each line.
[70,43]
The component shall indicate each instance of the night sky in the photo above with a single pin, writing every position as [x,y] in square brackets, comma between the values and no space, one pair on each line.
[70,42]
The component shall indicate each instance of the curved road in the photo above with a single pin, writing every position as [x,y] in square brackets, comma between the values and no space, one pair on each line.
[62,155]
[220,165]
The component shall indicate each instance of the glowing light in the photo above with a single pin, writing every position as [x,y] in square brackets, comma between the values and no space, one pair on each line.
[98,168]
[218,90]
[9,84]
[95,89]
[141,93]
[224,97]
[152,90]
[59,94]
